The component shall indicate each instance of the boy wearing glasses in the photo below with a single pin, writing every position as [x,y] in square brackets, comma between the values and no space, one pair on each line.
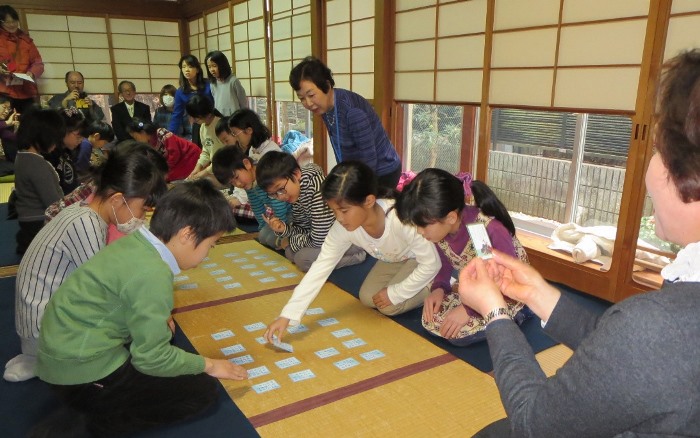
[280,176]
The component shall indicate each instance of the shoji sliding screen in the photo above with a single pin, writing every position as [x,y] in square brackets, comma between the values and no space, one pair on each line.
[350,44]
[218,33]
[198,45]
[68,42]
[291,42]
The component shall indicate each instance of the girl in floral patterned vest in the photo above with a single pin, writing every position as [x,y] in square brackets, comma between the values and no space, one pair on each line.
[435,203]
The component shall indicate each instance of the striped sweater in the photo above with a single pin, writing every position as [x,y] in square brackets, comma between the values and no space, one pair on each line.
[311,217]
[65,243]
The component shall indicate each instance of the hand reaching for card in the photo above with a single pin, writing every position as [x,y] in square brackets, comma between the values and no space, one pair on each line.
[224,369]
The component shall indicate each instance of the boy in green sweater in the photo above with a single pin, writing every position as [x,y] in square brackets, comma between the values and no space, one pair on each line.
[105,337]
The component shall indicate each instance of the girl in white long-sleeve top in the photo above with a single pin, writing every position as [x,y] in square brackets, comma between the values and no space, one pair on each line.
[406,263]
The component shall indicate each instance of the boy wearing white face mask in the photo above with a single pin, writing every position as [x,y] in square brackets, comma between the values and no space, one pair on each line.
[127,184]
[165,112]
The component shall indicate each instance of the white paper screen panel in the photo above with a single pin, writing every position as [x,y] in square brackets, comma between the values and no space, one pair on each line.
[460,53]
[527,48]
[413,25]
[682,35]
[602,88]
[249,47]
[620,42]
[414,86]
[402,5]
[120,25]
[575,11]
[337,11]
[525,87]
[462,18]
[514,14]
[46,22]
[459,86]
[291,41]
[679,6]
[406,59]
[350,44]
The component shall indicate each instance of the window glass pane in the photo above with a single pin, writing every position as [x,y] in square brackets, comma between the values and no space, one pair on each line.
[293,115]
[259,105]
[559,166]
[433,137]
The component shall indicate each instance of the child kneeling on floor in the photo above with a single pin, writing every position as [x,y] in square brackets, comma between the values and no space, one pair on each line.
[105,345]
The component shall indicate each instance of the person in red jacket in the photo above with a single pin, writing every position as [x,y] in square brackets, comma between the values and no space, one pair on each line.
[181,154]
[18,55]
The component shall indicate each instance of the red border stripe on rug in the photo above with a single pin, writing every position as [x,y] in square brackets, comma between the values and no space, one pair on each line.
[206,304]
[301,406]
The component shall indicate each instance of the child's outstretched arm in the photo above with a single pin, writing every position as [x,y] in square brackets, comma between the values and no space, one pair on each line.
[224,369]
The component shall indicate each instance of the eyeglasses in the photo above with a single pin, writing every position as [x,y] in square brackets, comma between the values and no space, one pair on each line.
[236,134]
[277,193]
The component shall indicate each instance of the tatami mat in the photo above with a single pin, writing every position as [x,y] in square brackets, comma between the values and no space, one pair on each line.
[553,358]
[363,330]
[234,270]
[451,400]
[5,190]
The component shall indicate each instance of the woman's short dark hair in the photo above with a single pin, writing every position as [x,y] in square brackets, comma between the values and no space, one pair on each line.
[99,127]
[312,69]
[6,10]
[678,126]
[199,106]
[140,125]
[221,61]
[132,173]
[226,161]
[246,118]
[41,128]
[275,165]
[350,182]
[221,126]
[192,61]
[195,204]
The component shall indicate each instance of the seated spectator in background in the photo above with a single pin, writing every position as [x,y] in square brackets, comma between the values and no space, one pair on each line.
[634,371]
[165,111]
[36,183]
[97,136]
[125,111]
[127,185]
[281,177]
[9,123]
[180,154]
[18,54]
[65,156]
[76,97]
[202,111]
[232,167]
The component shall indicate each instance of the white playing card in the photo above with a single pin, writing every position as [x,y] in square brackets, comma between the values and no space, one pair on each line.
[315,311]
[232,285]
[301,375]
[242,360]
[233,349]
[270,263]
[279,269]
[352,343]
[188,286]
[289,275]
[218,272]
[282,345]
[327,352]
[371,355]
[254,327]
[222,335]
[257,372]
[249,266]
[288,362]
[181,278]
[267,279]
[346,363]
[297,328]
[328,321]
[342,333]
[257,273]
[222,279]
[209,265]
[265,386]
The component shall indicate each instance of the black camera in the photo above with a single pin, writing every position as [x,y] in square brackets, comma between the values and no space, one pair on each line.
[80,102]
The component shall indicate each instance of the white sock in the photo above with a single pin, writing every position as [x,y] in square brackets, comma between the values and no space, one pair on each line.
[20,368]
